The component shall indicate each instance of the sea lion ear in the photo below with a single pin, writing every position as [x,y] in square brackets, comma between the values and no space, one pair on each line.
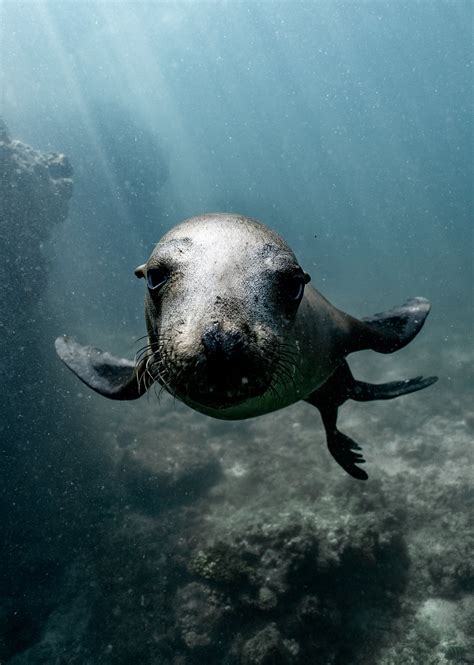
[140,271]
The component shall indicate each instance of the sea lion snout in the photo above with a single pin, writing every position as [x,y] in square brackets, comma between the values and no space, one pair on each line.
[222,344]
[228,366]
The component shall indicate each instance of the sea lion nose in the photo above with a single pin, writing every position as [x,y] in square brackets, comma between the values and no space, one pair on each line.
[222,344]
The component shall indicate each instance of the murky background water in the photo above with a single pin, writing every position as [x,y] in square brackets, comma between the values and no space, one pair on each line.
[348,128]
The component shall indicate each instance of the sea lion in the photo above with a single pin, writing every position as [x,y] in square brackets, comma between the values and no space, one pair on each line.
[235,330]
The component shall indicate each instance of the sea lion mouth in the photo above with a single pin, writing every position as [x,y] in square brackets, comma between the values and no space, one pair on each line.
[220,383]
[219,397]
[225,368]
[223,371]
[213,380]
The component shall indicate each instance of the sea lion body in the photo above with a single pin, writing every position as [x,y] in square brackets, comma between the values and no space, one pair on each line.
[236,331]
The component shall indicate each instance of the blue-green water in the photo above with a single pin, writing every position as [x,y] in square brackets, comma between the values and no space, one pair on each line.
[346,126]
[349,121]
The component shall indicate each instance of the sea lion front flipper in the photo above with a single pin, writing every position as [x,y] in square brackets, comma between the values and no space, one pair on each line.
[110,376]
[388,331]
[342,386]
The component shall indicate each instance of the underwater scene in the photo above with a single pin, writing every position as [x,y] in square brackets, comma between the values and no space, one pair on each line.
[259,452]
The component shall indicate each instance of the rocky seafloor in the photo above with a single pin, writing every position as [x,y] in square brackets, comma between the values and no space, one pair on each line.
[244,543]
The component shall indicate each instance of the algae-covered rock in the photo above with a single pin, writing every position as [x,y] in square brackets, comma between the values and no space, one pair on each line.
[266,647]
[35,189]
[311,580]
[200,612]
[222,564]
[452,569]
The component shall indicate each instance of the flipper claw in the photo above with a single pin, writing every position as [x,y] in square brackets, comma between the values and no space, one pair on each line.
[341,448]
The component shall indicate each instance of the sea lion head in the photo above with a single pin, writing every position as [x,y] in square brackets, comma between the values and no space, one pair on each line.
[222,294]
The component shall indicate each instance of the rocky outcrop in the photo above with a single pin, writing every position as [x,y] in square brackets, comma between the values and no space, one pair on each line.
[35,189]
[293,587]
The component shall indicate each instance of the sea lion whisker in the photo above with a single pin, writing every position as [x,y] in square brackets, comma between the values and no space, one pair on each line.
[152,346]
[158,392]
[140,338]
[286,374]
[164,376]
[142,349]
[142,380]
[283,344]
[282,373]
[290,374]
[157,338]
[143,353]
[142,360]
[287,355]
[274,391]
[287,361]
[152,349]
[143,356]
[149,368]
[287,365]
[288,350]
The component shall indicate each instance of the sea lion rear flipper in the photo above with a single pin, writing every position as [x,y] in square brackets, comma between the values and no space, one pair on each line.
[389,331]
[367,392]
[342,386]
[344,449]
[110,376]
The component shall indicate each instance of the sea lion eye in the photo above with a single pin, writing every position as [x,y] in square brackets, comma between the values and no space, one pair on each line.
[156,278]
[294,286]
